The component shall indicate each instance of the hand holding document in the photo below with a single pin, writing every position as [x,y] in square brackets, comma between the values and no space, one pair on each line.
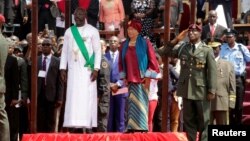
[116,91]
[121,91]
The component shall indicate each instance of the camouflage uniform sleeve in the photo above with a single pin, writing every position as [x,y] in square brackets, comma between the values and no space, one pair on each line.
[103,81]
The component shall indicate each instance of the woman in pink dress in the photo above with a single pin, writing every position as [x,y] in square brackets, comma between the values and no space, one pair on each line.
[112,15]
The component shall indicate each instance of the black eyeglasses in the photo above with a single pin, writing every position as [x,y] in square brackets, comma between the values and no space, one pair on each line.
[46,44]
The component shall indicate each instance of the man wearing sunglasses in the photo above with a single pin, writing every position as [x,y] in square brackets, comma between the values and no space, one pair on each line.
[50,89]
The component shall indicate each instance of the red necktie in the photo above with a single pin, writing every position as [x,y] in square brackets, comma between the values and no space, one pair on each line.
[16,2]
[212,30]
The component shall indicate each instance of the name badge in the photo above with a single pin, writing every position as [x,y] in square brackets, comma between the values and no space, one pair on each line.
[42,74]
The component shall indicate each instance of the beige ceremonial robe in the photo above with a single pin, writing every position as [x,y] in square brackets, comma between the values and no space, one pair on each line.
[81,96]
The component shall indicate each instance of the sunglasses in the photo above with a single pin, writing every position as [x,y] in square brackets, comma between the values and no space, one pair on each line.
[46,44]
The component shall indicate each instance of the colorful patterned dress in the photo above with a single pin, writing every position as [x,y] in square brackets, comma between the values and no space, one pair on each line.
[138,95]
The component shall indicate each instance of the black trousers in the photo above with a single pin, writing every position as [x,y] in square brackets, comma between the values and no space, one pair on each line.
[13,116]
[45,17]
[46,115]
[196,116]
[235,115]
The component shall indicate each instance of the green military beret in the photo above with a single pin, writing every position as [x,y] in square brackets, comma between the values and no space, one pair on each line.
[214,43]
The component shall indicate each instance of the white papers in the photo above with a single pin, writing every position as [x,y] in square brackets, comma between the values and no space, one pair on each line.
[19,99]
[59,22]
[42,74]
[111,27]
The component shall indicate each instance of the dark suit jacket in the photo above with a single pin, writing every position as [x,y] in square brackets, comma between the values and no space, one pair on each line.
[23,8]
[23,77]
[127,6]
[2,6]
[10,9]
[54,85]
[41,4]
[92,12]
[218,33]
[53,11]
[11,79]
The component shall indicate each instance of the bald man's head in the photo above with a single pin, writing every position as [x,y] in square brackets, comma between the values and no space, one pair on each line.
[212,17]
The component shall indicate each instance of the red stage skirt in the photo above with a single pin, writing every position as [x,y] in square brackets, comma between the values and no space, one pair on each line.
[150,136]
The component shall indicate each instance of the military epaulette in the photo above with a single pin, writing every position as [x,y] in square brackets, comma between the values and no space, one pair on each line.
[180,44]
[181,47]
[205,45]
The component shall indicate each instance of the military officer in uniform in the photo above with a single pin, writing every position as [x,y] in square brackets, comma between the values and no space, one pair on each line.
[103,87]
[238,54]
[197,81]
[4,123]
[225,93]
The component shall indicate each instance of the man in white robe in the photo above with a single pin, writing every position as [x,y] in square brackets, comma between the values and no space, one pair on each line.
[81,96]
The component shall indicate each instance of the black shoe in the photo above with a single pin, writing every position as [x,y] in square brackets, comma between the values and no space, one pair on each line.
[130,131]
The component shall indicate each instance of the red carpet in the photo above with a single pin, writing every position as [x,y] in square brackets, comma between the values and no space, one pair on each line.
[169,136]
[246,103]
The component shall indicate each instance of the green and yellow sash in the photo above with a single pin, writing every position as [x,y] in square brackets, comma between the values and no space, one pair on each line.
[82,47]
